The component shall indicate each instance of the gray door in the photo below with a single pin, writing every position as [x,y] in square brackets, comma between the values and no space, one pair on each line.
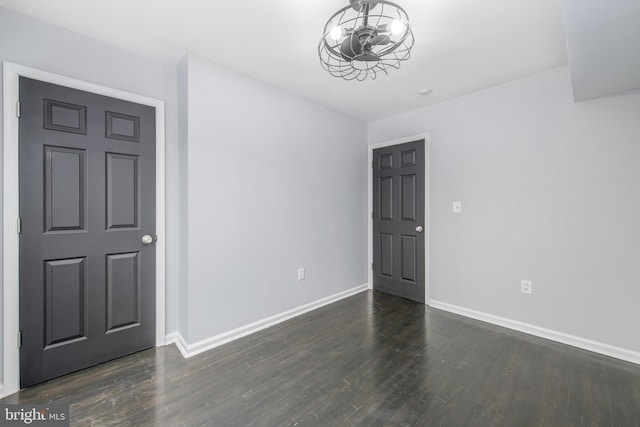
[398,220]
[87,197]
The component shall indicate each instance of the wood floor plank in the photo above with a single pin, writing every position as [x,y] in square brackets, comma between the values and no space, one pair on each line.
[369,360]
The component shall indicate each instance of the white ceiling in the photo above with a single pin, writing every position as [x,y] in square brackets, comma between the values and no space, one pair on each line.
[462,46]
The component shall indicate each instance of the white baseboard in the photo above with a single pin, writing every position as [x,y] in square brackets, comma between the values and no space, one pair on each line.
[177,339]
[583,343]
[190,350]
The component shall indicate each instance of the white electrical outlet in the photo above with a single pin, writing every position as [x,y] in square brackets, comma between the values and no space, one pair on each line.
[301,274]
[526,287]
[457,207]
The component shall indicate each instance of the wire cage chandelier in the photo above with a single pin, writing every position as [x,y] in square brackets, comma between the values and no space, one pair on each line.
[365,38]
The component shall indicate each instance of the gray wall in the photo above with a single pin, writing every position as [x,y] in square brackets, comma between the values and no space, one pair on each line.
[183,184]
[275,183]
[32,43]
[549,192]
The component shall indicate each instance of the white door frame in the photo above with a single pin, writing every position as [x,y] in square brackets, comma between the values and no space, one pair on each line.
[11,74]
[427,216]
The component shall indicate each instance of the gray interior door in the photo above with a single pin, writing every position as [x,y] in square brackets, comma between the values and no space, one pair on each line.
[398,220]
[87,197]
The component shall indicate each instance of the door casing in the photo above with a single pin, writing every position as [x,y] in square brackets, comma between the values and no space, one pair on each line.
[11,74]
[427,231]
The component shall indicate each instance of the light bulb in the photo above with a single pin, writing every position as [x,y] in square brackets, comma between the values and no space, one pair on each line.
[335,33]
[397,27]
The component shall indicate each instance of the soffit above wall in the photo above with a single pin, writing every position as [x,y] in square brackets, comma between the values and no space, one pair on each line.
[603,43]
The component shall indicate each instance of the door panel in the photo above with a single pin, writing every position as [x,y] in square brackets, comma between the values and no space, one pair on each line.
[65,179]
[123,127]
[65,303]
[65,117]
[408,194]
[123,191]
[398,199]
[386,254]
[123,291]
[87,196]
[409,255]
[386,198]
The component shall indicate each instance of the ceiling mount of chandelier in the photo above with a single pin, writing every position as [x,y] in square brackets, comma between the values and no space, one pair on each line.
[365,38]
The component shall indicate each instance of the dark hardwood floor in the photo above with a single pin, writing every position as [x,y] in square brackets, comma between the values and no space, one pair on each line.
[371,359]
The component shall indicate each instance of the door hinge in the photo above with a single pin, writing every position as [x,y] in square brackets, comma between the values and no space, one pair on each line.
[372,266]
[372,216]
[19,225]
[18,109]
[19,339]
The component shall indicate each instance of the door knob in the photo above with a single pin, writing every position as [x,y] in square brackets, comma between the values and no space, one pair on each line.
[147,240]
[419,229]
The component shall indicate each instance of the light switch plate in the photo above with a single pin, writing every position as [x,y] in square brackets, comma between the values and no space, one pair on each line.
[457,207]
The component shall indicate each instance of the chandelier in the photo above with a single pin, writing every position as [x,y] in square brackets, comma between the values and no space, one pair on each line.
[365,38]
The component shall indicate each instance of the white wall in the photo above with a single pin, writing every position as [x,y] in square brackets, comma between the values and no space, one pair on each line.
[275,182]
[549,191]
[32,43]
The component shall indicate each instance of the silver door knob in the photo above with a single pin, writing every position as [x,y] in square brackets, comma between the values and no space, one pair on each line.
[147,240]
[419,229]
